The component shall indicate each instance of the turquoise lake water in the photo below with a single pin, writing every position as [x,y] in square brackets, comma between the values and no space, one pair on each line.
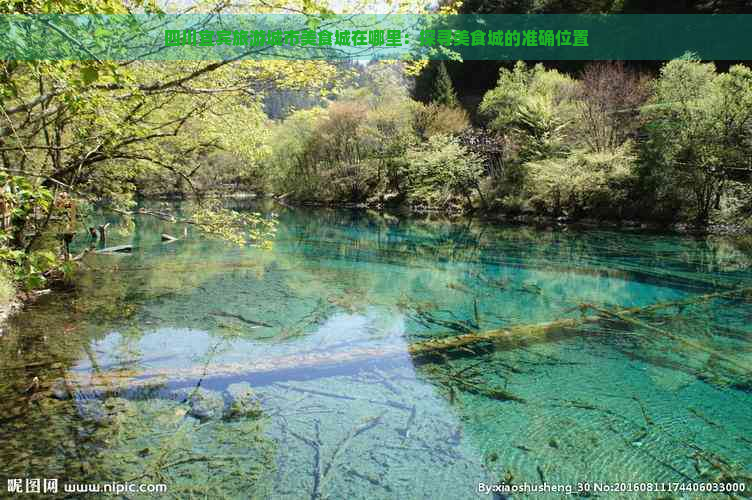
[312,369]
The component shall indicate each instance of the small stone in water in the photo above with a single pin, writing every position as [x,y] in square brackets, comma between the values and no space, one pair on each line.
[205,404]
[93,410]
[243,401]
[60,391]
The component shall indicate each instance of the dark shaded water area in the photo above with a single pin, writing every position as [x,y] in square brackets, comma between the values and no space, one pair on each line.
[324,366]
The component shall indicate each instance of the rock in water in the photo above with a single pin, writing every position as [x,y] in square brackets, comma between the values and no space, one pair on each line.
[60,391]
[205,404]
[93,410]
[242,401]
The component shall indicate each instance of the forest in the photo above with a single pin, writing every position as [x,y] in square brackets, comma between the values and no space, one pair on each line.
[660,143]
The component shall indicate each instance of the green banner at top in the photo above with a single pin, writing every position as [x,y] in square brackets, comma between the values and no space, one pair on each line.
[371,37]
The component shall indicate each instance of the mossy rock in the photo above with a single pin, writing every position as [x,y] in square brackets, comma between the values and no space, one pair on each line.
[203,404]
[93,411]
[242,401]
[60,391]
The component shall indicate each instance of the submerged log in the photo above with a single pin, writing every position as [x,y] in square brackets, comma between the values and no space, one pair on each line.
[541,330]
[240,317]
[308,364]
[116,249]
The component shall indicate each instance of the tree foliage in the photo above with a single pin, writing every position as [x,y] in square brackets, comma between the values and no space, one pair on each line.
[360,147]
[680,144]
[432,119]
[443,92]
[582,182]
[104,129]
[700,131]
[75,131]
[534,107]
[345,152]
[441,172]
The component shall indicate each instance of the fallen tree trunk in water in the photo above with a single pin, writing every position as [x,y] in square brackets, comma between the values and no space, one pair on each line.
[307,364]
[117,249]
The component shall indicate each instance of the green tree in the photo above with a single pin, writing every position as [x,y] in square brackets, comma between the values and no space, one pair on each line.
[443,91]
[700,132]
[442,170]
[534,108]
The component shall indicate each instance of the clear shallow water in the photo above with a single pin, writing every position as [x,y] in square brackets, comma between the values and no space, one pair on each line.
[289,373]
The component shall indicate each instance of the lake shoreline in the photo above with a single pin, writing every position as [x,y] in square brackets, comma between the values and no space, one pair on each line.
[532,219]
[736,232]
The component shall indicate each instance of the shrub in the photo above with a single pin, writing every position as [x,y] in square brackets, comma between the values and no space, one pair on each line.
[534,106]
[581,181]
[433,119]
[442,171]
